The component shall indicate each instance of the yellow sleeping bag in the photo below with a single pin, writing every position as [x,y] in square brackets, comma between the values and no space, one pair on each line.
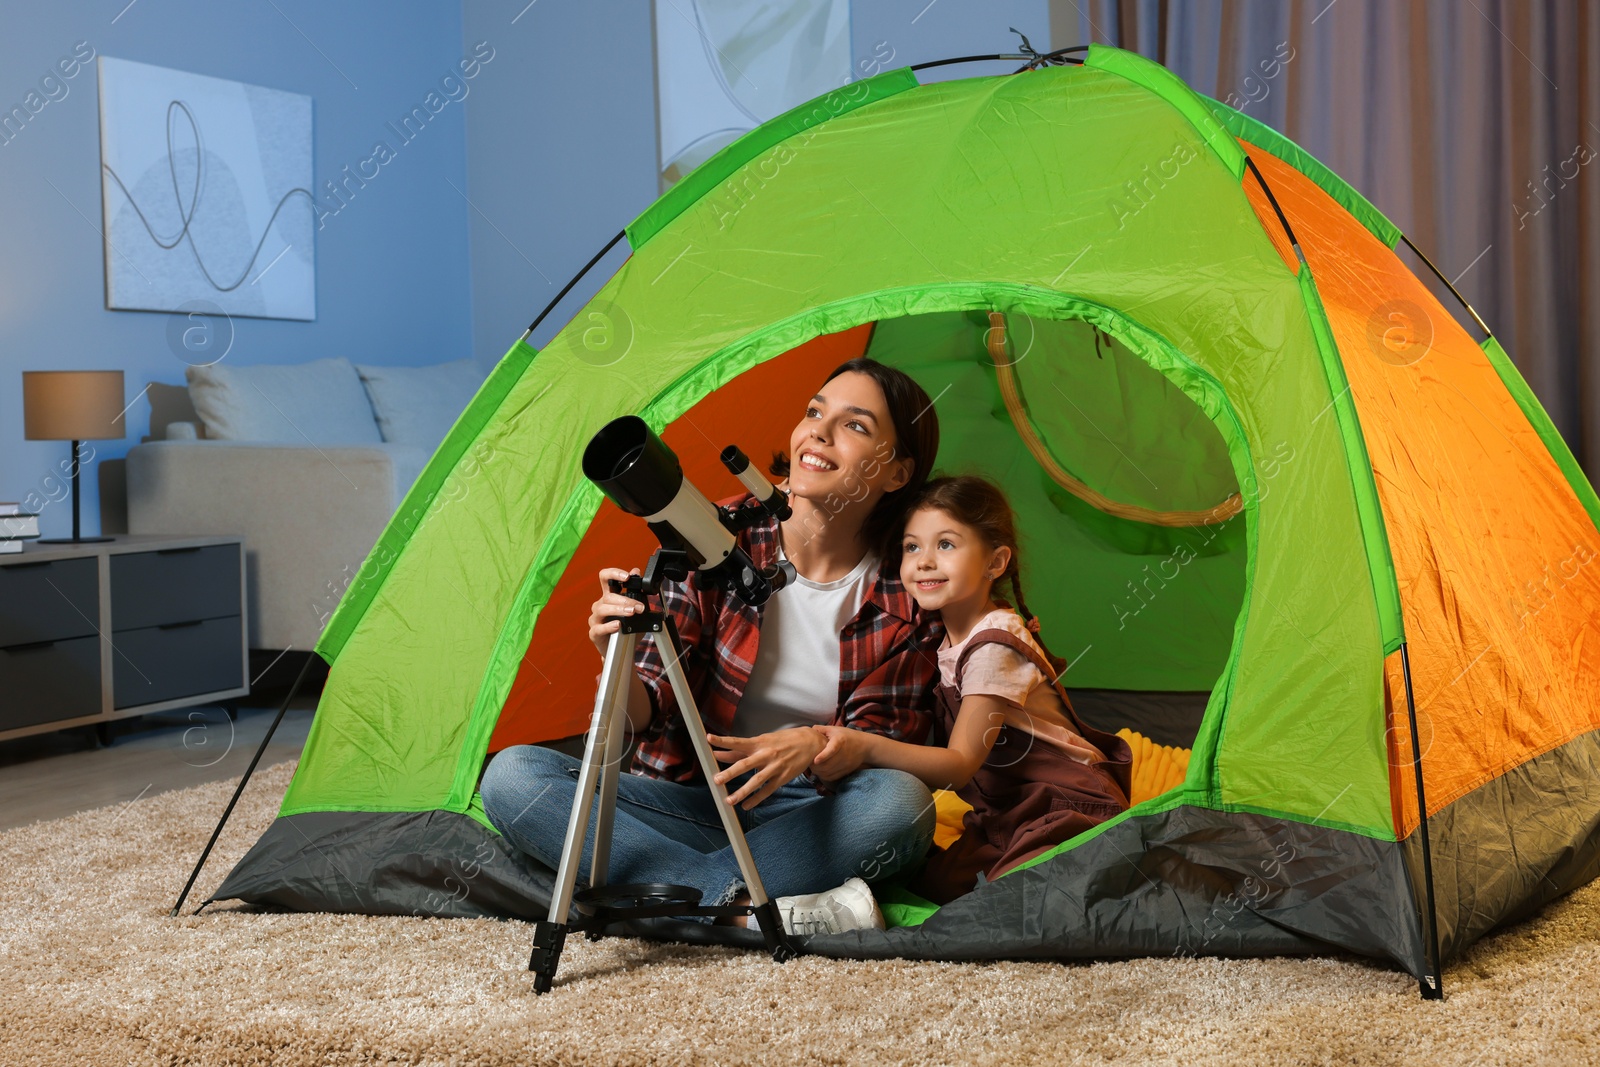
[1156,769]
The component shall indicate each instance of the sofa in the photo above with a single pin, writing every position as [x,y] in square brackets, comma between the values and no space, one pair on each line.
[307,462]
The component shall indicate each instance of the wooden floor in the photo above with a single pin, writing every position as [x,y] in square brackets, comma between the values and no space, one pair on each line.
[48,776]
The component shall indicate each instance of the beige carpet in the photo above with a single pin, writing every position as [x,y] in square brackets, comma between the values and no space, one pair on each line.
[92,971]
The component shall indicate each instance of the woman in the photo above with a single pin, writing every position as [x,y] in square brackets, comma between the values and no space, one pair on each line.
[842,645]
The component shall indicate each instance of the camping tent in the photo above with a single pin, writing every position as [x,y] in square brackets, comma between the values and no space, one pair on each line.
[1278,505]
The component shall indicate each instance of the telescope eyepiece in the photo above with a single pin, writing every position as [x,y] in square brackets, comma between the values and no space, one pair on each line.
[772,502]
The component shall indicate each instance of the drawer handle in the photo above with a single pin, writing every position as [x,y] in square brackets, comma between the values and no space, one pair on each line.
[175,551]
[31,646]
[179,625]
[25,566]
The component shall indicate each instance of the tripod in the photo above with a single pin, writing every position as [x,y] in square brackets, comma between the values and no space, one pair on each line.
[601,905]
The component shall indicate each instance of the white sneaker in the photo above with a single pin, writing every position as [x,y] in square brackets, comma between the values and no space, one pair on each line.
[847,907]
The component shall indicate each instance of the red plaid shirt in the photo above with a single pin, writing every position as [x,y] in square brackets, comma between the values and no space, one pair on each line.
[887,663]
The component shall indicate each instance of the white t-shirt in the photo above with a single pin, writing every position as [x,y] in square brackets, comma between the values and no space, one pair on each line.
[795,679]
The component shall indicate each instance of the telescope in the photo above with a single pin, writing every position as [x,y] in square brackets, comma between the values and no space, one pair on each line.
[636,469]
[642,476]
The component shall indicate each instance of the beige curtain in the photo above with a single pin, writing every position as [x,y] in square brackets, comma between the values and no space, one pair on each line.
[1473,124]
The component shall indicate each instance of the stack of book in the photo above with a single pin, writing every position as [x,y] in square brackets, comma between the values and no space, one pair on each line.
[16,526]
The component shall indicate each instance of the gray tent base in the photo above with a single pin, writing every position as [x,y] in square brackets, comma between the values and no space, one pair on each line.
[1188,881]
[1515,843]
[438,863]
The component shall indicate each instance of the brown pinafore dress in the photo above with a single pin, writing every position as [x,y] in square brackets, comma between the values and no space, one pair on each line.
[1028,796]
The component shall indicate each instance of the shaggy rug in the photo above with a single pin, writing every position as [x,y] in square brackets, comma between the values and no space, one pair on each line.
[95,972]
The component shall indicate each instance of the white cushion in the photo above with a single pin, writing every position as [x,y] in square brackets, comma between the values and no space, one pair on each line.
[321,402]
[418,405]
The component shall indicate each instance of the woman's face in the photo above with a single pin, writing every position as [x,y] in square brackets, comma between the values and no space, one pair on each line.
[844,447]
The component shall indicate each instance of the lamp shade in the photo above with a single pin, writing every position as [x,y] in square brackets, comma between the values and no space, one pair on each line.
[72,405]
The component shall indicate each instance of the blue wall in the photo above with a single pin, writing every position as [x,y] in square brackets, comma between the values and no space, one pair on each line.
[393,266]
[561,153]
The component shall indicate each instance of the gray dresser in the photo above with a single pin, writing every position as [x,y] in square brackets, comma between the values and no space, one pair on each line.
[102,631]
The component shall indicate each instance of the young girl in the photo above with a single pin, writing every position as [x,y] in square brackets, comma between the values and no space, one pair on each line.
[1033,772]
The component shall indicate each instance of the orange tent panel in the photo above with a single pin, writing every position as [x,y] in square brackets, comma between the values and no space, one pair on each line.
[1491,547]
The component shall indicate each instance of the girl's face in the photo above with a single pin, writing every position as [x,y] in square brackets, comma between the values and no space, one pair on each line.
[944,561]
[844,446]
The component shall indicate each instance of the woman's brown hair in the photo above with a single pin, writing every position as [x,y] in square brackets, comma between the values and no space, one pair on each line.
[916,434]
[982,505]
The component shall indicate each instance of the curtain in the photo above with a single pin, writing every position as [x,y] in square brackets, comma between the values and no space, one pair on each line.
[1474,125]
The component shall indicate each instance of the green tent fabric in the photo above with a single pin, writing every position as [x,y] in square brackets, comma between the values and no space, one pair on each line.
[1100,209]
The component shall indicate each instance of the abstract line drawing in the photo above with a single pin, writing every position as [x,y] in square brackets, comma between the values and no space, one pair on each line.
[206,192]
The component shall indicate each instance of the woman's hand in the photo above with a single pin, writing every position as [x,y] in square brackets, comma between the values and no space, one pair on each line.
[610,603]
[845,752]
[775,758]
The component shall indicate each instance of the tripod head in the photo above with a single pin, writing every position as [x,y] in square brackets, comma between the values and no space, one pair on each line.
[664,563]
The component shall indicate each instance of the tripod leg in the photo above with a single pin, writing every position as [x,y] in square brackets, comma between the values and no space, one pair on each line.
[550,935]
[771,926]
[610,768]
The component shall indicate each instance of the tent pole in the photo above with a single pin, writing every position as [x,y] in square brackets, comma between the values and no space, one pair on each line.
[1033,57]
[568,287]
[293,692]
[1453,290]
[1432,980]
[1282,219]
[964,59]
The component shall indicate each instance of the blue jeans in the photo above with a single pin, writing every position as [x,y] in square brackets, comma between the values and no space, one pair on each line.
[878,823]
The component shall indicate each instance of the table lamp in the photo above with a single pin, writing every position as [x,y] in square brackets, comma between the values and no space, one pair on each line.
[73,405]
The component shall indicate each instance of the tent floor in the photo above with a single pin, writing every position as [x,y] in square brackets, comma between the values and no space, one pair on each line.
[1167,718]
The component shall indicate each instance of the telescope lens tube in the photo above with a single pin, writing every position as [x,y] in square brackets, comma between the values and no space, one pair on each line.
[632,466]
[636,469]
[697,521]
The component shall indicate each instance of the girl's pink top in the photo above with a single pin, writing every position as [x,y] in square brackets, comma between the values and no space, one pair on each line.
[1032,703]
